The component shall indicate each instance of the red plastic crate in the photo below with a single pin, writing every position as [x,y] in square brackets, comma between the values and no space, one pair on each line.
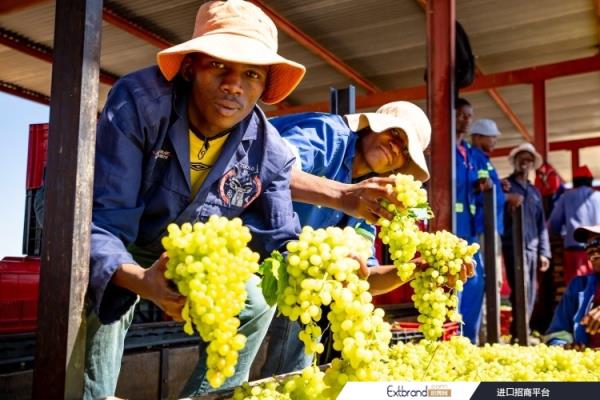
[19,285]
[36,159]
[403,331]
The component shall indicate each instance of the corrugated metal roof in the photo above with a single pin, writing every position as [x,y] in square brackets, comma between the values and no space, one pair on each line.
[384,40]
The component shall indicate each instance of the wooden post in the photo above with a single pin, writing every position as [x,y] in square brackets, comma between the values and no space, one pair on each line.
[440,108]
[519,310]
[492,294]
[60,350]
[574,161]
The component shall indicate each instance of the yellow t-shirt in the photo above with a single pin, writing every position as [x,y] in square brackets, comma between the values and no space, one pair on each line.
[203,155]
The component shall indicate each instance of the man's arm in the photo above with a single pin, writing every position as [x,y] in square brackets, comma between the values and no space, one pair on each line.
[360,200]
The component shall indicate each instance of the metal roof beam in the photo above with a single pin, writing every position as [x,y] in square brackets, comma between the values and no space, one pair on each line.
[8,6]
[24,93]
[515,77]
[310,44]
[41,51]
[556,146]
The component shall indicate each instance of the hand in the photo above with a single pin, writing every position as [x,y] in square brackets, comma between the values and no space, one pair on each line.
[505,185]
[484,184]
[514,200]
[467,271]
[544,263]
[592,321]
[363,199]
[156,288]
[363,271]
[574,346]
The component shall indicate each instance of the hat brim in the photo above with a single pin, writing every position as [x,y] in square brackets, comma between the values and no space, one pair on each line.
[537,162]
[377,122]
[284,74]
[582,233]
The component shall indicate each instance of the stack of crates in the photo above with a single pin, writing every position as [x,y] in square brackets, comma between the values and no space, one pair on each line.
[36,163]
[408,332]
[20,276]
[19,284]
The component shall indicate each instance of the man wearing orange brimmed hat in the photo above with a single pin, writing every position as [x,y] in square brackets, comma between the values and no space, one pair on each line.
[576,207]
[524,158]
[179,142]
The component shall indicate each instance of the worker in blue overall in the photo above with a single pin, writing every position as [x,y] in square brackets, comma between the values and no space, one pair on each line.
[336,149]
[576,321]
[469,167]
[483,136]
[536,244]
[177,143]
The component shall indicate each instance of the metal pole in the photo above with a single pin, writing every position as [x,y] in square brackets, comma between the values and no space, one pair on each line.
[492,294]
[60,349]
[343,101]
[521,278]
[440,108]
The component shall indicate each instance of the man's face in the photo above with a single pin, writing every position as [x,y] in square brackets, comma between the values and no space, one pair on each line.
[464,119]
[384,152]
[524,162]
[485,143]
[223,92]
[593,251]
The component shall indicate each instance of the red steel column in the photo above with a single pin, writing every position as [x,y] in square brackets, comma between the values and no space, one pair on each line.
[440,108]
[574,160]
[540,124]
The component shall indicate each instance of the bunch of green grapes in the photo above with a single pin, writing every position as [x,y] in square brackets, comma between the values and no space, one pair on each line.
[459,360]
[308,384]
[318,263]
[400,233]
[437,286]
[210,263]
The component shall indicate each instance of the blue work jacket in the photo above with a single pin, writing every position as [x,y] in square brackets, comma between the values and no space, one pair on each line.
[575,303]
[142,181]
[576,207]
[324,146]
[488,171]
[535,234]
[465,205]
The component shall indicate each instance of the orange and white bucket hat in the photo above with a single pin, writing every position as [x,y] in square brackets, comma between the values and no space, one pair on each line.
[237,31]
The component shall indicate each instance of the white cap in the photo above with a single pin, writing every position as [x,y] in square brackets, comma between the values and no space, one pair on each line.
[485,127]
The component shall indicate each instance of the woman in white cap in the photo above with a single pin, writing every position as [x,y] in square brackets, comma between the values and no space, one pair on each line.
[576,321]
[179,142]
[524,158]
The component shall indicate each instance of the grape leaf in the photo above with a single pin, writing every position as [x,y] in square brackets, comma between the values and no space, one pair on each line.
[274,277]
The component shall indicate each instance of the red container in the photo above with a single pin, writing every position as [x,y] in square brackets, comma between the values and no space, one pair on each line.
[36,159]
[409,331]
[19,284]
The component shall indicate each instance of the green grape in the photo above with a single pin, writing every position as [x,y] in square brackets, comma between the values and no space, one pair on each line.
[210,264]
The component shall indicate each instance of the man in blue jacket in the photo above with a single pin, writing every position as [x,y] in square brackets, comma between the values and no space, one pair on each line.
[470,165]
[178,143]
[345,150]
[576,321]
[524,158]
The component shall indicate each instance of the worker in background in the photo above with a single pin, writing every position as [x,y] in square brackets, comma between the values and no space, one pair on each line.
[470,164]
[483,135]
[576,321]
[576,207]
[524,159]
